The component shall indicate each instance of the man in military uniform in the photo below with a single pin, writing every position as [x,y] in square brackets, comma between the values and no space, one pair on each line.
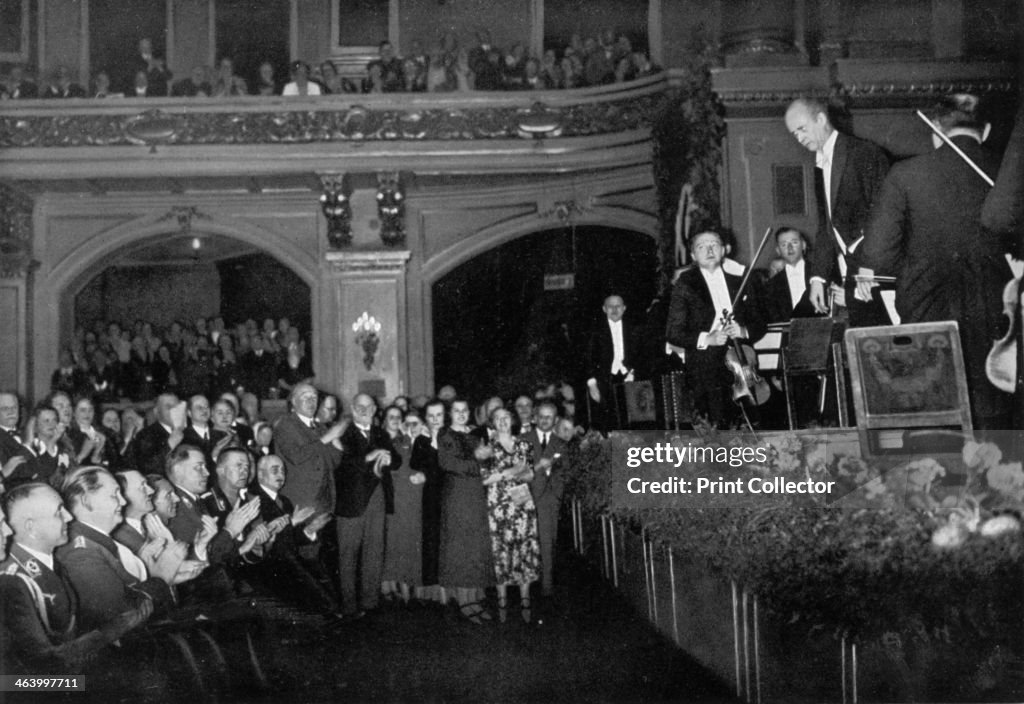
[38,631]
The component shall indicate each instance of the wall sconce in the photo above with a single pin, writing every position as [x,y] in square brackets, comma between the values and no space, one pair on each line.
[366,329]
[391,208]
[334,202]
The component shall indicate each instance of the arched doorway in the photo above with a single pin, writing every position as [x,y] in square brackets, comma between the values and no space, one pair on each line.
[518,315]
[177,280]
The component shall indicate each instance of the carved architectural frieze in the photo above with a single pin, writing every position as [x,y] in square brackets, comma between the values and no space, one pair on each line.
[333,123]
[383,262]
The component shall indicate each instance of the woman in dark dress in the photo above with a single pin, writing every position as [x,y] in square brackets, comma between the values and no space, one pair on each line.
[425,459]
[466,563]
[403,563]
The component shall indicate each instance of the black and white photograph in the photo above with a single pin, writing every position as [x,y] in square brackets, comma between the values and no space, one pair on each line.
[511,351]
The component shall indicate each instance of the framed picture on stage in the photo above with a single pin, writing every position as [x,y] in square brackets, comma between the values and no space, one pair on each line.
[908,381]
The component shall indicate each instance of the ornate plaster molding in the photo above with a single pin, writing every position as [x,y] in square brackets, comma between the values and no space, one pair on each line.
[392,261]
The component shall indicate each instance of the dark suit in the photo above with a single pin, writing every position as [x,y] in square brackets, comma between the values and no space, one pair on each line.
[857,171]
[128,536]
[310,463]
[547,489]
[926,230]
[149,449]
[1003,211]
[778,304]
[363,501]
[104,587]
[425,459]
[692,312]
[599,359]
[193,438]
[283,570]
[259,372]
[10,447]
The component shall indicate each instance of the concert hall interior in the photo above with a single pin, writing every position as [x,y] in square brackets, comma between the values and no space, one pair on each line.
[220,217]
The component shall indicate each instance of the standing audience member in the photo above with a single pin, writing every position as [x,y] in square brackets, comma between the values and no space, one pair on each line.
[549,467]
[364,498]
[425,460]
[507,471]
[466,563]
[403,555]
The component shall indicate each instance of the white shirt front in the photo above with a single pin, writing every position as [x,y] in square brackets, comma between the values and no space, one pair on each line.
[796,280]
[720,300]
[618,348]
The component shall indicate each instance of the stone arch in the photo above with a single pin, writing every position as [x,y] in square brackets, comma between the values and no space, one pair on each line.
[493,236]
[496,235]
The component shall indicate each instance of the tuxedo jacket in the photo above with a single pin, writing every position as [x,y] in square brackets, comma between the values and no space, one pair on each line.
[104,587]
[778,305]
[600,350]
[545,487]
[192,437]
[858,170]
[692,311]
[9,447]
[355,481]
[1003,210]
[310,463]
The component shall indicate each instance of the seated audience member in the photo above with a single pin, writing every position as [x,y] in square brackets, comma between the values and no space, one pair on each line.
[138,495]
[154,443]
[158,76]
[165,506]
[250,409]
[38,630]
[140,87]
[199,433]
[51,460]
[108,578]
[67,377]
[300,83]
[13,451]
[231,488]
[195,85]
[283,570]
[259,368]
[333,82]
[18,87]
[62,85]
[391,68]
[374,80]
[414,78]
[532,79]
[93,445]
[227,83]
[266,82]
[186,470]
[294,368]
[225,418]
[101,87]
[264,439]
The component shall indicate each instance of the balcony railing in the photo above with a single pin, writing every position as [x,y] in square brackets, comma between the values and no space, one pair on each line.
[386,117]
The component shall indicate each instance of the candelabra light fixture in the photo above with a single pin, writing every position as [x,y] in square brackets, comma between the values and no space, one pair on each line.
[367,330]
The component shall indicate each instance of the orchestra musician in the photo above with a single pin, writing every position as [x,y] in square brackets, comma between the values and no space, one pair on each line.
[695,323]
[926,231]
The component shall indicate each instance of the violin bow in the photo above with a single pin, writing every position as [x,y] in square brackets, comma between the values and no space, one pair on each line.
[941,135]
[750,269]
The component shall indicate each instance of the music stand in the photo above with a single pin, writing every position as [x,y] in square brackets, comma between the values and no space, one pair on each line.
[909,386]
[813,350]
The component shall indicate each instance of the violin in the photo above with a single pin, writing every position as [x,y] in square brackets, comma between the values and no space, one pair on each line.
[1001,363]
[741,360]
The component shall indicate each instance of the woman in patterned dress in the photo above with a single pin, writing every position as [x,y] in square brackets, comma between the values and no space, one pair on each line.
[512,516]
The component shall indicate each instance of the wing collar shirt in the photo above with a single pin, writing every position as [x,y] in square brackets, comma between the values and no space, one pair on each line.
[823,160]
[797,282]
[720,300]
[618,348]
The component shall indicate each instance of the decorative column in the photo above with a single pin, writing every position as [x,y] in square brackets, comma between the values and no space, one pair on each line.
[366,311]
[832,45]
[16,266]
[761,33]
